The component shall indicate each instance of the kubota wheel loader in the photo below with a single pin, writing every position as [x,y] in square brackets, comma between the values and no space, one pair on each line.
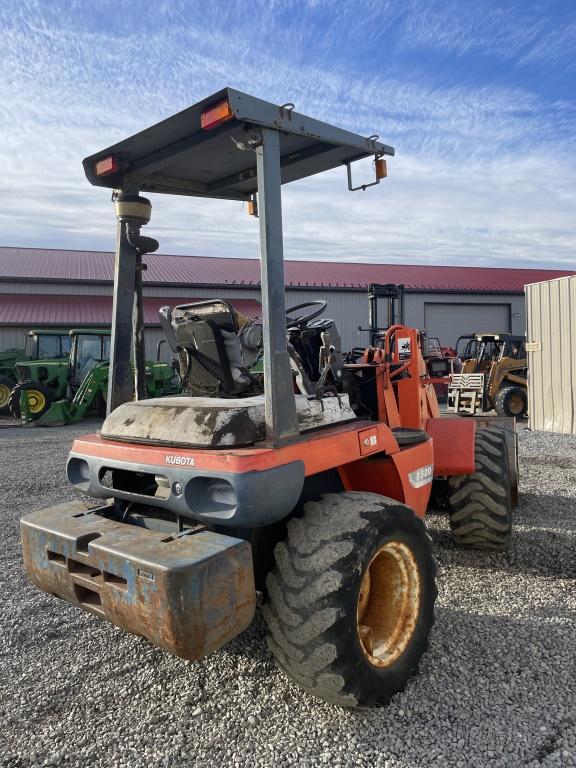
[309,481]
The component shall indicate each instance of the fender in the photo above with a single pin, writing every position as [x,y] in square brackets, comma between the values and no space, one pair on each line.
[453,441]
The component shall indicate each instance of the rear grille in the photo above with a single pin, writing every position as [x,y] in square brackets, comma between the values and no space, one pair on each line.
[140,483]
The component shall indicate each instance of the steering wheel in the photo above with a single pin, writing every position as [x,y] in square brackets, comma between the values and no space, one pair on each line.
[302,320]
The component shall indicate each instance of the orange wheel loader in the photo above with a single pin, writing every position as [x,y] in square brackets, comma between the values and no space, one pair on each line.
[308,481]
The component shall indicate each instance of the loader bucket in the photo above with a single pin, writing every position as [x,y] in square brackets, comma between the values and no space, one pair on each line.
[188,594]
[59,414]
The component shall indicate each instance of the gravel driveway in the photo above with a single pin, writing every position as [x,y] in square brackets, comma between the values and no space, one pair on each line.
[497,687]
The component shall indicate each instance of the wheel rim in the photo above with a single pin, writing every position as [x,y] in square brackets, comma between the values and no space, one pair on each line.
[4,395]
[516,404]
[36,401]
[388,604]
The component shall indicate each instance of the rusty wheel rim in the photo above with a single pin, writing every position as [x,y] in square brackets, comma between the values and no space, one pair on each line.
[388,604]
[516,404]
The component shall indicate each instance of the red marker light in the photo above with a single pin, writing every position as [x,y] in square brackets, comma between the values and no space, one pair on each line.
[216,115]
[106,166]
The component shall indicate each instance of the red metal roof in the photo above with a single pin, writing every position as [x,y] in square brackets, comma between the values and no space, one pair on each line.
[97,266]
[48,309]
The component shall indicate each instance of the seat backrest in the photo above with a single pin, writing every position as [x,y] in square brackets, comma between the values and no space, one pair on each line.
[205,336]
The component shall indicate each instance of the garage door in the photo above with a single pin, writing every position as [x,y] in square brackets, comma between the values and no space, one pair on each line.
[449,321]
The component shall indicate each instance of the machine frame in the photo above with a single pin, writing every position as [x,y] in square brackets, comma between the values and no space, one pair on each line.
[315,497]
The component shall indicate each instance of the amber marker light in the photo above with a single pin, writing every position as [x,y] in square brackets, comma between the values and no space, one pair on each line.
[216,115]
[381,168]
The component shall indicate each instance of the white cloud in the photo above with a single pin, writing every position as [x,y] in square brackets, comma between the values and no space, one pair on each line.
[524,33]
[483,174]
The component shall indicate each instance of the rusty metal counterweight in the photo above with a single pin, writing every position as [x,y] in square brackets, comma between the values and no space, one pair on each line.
[187,594]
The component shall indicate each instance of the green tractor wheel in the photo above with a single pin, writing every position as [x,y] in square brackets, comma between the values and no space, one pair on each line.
[6,385]
[39,398]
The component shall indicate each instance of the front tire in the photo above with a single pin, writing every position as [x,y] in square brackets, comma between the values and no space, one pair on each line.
[480,504]
[351,599]
[40,399]
[511,401]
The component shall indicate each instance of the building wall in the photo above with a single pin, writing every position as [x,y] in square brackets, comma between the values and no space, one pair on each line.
[348,308]
[415,307]
[551,336]
[12,337]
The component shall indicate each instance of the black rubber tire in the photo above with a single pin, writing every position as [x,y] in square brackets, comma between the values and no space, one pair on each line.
[100,404]
[14,402]
[502,402]
[6,386]
[480,504]
[313,592]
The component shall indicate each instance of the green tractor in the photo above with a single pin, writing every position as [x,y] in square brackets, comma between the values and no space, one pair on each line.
[52,347]
[8,361]
[52,397]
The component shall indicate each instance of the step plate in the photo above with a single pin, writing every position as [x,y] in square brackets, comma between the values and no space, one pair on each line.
[188,595]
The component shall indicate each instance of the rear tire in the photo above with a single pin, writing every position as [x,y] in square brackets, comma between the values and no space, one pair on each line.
[480,504]
[351,599]
[511,401]
[40,398]
[6,386]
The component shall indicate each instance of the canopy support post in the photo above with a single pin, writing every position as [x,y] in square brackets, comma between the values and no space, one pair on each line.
[280,404]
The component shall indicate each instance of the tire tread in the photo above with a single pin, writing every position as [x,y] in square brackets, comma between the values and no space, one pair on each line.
[301,613]
[479,504]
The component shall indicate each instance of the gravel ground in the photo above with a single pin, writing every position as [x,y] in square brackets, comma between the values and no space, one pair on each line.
[497,687]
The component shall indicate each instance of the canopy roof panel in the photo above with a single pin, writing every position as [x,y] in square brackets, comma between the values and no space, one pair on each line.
[178,156]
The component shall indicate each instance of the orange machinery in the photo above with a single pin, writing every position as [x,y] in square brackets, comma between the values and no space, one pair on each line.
[309,482]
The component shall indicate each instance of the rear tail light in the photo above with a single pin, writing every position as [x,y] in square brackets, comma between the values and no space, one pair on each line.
[216,115]
[106,166]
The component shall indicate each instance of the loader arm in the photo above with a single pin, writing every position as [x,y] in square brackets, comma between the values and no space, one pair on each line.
[508,369]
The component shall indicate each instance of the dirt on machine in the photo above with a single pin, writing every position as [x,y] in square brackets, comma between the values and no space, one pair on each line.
[306,478]
[494,376]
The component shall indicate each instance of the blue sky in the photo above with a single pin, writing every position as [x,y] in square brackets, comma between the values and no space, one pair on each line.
[478,98]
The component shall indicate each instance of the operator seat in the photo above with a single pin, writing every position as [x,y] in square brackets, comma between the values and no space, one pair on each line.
[228,407]
[316,352]
[214,352]
[205,335]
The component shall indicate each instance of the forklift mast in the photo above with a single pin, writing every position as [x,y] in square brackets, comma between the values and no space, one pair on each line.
[394,296]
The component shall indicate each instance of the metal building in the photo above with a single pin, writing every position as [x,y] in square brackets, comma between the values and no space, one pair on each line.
[551,346]
[50,287]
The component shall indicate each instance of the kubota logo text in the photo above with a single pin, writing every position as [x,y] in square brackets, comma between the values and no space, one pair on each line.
[180,461]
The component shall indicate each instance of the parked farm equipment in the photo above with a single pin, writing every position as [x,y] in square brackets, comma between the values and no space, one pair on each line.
[309,481]
[440,361]
[51,347]
[55,394]
[494,377]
